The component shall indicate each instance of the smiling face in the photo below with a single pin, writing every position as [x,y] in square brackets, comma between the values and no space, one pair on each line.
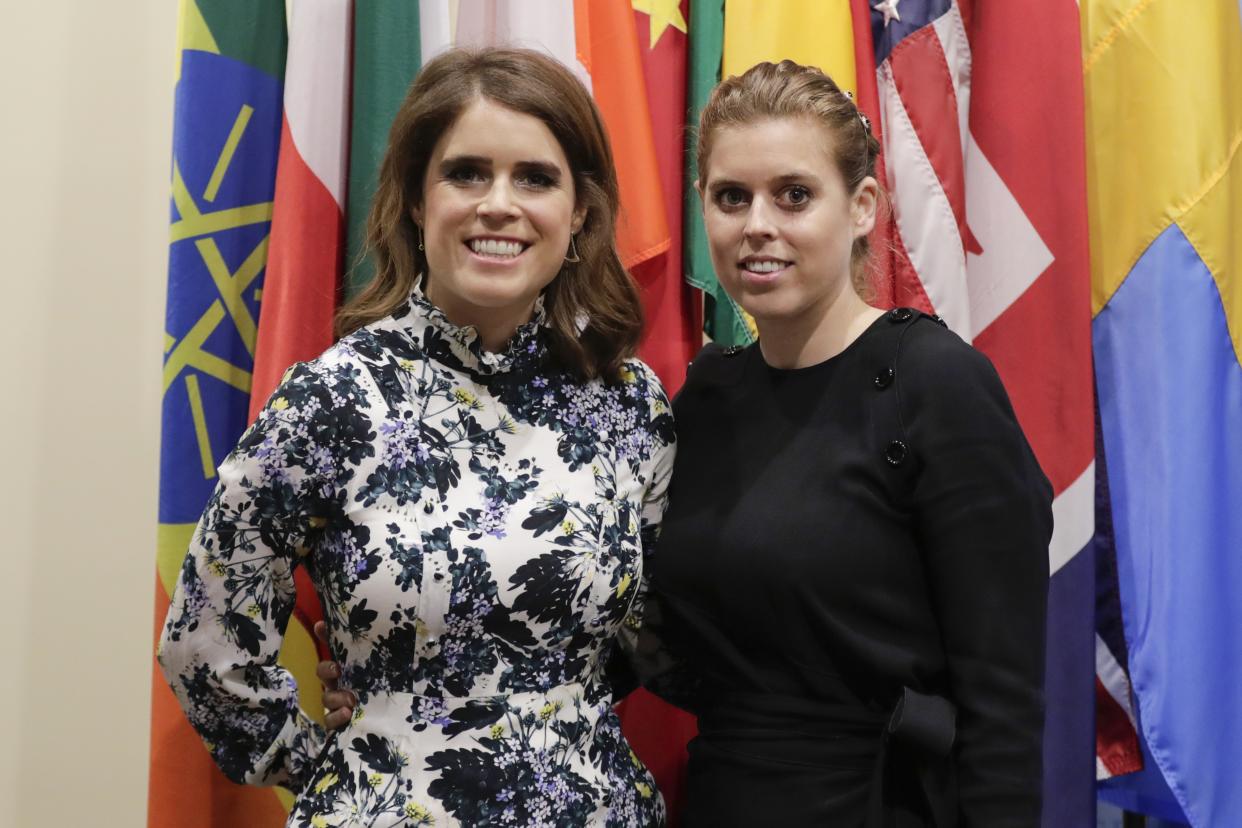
[780,221]
[497,212]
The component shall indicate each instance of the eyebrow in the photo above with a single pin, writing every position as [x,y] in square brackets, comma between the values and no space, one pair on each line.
[787,178]
[535,165]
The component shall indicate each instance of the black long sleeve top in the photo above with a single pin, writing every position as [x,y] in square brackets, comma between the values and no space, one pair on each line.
[840,532]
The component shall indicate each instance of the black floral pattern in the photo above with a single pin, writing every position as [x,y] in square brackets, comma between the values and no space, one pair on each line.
[476,525]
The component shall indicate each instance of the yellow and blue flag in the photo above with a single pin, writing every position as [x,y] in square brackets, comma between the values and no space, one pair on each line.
[1164,127]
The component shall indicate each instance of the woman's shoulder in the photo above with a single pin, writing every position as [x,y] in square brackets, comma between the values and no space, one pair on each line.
[640,379]
[932,358]
[946,385]
[715,362]
[335,376]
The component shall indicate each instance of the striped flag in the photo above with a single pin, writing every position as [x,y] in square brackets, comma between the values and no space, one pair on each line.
[308,221]
[981,117]
[226,138]
[1165,174]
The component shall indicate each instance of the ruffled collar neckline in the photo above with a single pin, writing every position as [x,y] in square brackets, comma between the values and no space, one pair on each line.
[465,342]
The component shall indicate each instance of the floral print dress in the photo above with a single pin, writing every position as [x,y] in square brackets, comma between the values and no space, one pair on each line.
[476,525]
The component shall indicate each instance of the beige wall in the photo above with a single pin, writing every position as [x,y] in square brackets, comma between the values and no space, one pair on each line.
[86,91]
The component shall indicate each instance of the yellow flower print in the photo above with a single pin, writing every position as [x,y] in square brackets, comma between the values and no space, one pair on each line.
[375,780]
[498,730]
[627,374]
[280,404]
[253,610]
[406,365]
[644,790]
[624,585]
[327,782]
[568,526]
[466,398]
[419,814]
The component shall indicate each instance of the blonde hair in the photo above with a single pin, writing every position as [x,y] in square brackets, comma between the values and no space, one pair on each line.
[791,90]
[596,288]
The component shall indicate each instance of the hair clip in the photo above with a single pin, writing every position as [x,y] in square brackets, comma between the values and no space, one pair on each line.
[866,122]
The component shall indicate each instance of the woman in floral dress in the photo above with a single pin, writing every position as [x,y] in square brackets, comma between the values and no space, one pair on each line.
[472,476]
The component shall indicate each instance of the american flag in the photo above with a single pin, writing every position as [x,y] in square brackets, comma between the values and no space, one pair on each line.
[980,108]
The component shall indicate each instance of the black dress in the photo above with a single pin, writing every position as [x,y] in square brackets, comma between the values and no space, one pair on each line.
[839,538]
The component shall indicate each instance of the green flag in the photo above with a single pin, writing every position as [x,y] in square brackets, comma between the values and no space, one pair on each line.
[387,56]
[722,318]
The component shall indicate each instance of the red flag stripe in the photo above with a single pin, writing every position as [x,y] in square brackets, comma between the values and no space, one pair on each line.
[303,273]
[924,217]
[926,87]
[1115,746]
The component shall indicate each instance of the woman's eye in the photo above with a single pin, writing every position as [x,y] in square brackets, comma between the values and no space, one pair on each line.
[464,175]
[538,180]
[797,196]
[731,197]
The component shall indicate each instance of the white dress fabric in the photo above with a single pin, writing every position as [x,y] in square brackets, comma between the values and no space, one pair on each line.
[476,525]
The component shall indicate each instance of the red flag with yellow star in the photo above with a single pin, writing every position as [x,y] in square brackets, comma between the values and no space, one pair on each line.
[659,732]
[672,335]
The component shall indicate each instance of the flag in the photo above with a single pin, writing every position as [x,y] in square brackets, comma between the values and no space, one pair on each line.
[981,114]
[722,318]
[657,731]
[226,137]
[672,337]
[307,243]
[386,56]
[1165,174]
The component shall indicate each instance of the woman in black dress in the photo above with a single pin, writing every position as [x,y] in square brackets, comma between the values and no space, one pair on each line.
[851,578]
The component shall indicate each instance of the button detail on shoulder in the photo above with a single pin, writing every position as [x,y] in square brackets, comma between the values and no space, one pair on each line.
[900,314]
[896,453]
[733,350]
[939,321]
[884,378]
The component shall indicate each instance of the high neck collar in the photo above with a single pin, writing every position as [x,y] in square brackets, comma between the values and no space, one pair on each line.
[464,340]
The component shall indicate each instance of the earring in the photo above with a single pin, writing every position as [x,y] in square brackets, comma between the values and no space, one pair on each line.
[420,236]
[573,245]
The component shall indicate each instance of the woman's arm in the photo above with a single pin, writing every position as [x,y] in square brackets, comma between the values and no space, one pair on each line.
[983,513]
[235,593]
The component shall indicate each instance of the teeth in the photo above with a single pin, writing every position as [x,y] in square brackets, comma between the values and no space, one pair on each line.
[495,247]
[764,267]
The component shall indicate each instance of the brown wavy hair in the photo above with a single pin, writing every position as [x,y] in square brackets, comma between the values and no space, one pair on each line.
[791,90]
[595,291]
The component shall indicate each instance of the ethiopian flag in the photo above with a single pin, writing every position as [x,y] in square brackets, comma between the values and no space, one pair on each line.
[226,140]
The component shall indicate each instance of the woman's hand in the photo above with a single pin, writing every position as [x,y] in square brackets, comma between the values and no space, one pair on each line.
[338,702]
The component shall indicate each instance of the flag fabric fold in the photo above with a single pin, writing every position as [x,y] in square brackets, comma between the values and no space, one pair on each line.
[1165,172]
